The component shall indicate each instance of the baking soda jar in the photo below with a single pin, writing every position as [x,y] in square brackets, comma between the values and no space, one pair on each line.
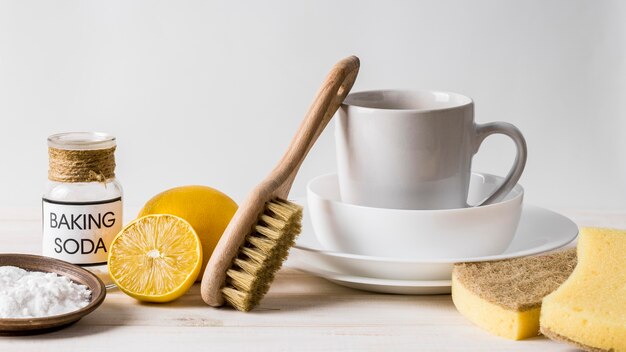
[82,205]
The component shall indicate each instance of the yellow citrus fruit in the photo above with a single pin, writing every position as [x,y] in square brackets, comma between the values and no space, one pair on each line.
[208,210]
[155,258]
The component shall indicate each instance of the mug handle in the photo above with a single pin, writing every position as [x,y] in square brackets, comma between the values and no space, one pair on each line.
[507,129]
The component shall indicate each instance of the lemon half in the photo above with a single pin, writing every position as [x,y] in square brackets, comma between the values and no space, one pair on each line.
[155,258]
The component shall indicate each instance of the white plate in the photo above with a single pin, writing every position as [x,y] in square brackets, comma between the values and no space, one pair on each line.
[401,287]
[539,230]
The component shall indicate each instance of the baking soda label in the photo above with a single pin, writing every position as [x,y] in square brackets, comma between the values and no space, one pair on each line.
[80,232]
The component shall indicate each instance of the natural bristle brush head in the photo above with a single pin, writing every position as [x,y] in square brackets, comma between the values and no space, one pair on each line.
[262,254]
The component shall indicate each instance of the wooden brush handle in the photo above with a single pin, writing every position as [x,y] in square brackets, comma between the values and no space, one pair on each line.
[278,183]
[328,99]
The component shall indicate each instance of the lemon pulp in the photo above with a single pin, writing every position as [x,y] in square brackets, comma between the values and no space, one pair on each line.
[155,258]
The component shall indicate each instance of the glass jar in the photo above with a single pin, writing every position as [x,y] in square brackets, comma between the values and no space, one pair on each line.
[82,204]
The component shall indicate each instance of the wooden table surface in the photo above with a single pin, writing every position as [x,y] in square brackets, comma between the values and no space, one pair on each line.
[300,313]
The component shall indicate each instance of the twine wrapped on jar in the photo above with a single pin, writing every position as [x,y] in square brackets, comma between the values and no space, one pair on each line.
[97,165]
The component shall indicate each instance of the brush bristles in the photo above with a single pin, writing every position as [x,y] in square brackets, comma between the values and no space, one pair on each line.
[262,254]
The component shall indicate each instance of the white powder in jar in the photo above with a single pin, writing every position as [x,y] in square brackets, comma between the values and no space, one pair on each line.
[31,294]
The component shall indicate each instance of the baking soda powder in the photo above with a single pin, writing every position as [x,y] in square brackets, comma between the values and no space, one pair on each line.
[31,294]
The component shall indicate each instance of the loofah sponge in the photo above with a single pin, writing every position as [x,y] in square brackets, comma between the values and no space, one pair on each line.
[589,309]
[504,297]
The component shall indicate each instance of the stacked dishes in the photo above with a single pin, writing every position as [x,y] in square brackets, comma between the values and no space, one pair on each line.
[405,206]
[539,230]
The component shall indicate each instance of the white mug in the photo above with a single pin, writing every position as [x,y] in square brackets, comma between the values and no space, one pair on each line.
[413,149]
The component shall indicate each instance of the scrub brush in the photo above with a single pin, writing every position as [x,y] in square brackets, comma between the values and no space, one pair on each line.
[259,236]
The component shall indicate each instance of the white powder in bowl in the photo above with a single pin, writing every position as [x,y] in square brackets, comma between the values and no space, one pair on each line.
[31,294]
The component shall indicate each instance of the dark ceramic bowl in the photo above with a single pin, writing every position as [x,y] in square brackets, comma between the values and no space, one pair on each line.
[26,326]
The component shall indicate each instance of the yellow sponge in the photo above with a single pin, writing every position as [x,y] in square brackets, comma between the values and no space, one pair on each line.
[589,309]
[504,297]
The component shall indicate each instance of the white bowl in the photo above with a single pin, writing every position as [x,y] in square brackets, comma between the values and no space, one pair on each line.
[415,234]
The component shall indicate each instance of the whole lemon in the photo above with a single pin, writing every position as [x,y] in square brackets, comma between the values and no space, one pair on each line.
[206,209]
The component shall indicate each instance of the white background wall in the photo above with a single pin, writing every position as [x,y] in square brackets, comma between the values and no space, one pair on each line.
[210,92]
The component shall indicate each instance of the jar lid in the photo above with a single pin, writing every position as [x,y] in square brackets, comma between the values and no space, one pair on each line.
[81,141]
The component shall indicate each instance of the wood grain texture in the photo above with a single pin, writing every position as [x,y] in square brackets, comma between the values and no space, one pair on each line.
[300,313]
[278,183]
